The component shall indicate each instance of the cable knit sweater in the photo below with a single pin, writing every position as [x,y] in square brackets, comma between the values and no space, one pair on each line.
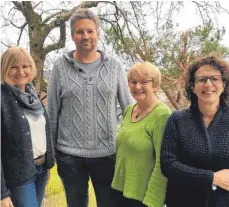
[82,107]
[190,155]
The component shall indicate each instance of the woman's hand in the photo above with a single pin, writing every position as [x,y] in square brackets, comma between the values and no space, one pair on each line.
[7,202]
[48,176]
[221,179]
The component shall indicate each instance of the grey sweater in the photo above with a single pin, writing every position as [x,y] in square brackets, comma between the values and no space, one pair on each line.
[82,106]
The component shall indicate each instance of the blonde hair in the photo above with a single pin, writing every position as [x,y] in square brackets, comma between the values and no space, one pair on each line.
[12,56]
[147,70]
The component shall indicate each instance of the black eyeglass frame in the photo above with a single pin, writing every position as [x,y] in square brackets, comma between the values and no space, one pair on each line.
[206,78]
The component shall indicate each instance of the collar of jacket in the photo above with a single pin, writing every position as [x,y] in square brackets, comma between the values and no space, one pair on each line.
[68,56]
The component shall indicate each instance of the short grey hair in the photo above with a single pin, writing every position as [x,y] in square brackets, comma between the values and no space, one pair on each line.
[83,13]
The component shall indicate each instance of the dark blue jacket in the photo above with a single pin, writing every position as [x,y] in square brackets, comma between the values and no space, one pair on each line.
[17,162]
[190,155]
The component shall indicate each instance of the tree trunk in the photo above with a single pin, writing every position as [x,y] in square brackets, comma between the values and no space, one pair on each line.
[39,61]
[171,99]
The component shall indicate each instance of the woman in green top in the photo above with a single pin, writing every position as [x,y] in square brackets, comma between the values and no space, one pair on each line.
[138,180]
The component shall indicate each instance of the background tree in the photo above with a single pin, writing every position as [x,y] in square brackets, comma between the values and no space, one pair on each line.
[172,52]
[180,51]
[138,31]
[38,24]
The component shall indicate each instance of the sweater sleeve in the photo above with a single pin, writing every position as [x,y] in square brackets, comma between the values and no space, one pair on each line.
[126,110]
[54,103]
[124,96]
[155,194]
[5,192]
[171,165]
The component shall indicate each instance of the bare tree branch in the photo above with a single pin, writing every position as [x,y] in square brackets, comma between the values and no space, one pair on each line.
[57,14]
[61,41]
[21,31]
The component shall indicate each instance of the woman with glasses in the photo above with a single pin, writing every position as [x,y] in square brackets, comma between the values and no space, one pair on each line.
[138,180]
[26,149]
[195,147]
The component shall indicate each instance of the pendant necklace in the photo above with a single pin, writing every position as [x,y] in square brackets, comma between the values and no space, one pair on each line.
[137,115]
[146,110]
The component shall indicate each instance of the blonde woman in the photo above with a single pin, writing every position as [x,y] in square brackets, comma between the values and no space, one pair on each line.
[138,180]
[26,149]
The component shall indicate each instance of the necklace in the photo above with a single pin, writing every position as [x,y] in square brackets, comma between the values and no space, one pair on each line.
[146,110]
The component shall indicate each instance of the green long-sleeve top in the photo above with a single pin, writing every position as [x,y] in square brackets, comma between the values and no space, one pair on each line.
[138,145]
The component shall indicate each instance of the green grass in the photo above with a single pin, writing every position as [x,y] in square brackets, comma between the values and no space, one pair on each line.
[54,194]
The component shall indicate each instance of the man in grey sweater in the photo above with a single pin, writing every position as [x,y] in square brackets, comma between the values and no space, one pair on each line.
[82,105]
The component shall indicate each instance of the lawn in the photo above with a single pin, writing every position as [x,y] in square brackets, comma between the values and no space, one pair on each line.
[54,195]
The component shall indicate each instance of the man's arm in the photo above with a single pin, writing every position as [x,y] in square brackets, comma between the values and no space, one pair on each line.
[54,103]
[124,96]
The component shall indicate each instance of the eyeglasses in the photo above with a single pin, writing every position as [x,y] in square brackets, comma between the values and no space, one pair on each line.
[215,79]
[141,82]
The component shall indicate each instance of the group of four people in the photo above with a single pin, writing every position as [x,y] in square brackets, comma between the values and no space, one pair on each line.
[156,158]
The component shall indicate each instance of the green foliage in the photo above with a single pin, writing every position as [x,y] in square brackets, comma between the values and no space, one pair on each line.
[171,51]
[171,46]
[122,43]
[206,40]
[54,186]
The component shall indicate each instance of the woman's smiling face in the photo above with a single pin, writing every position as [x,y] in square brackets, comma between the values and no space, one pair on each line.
[19,74]
[208,85]
[141,87]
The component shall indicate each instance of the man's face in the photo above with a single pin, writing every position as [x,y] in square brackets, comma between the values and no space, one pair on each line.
[85,35]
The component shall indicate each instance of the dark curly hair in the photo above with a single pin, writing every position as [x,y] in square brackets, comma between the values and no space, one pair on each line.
[218,64]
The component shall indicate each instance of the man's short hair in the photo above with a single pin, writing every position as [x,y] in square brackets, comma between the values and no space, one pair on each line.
[83,13]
